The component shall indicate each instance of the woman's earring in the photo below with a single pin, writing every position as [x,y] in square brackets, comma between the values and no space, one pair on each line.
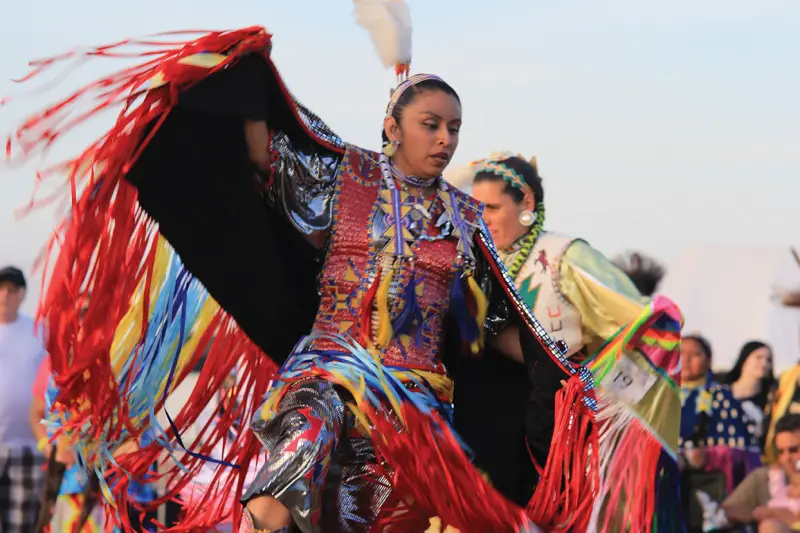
[391,148]
[527,218]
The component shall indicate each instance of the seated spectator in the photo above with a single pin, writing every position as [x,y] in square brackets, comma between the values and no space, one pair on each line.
[728,438]
[752,383]
[717,444]
[770,496]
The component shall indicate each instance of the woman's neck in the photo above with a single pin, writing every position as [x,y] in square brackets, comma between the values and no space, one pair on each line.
[399,173]
[694,383]
[746,387]
[523,231]
[400,166]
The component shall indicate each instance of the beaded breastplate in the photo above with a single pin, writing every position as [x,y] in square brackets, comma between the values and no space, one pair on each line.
[362,230]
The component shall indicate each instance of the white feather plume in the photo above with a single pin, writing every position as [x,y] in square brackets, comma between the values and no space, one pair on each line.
[389,25]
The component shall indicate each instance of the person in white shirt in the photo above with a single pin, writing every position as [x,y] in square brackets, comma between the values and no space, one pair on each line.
[21,353]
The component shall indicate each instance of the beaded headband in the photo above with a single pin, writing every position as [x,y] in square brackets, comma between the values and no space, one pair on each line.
[494,165]
[404,86]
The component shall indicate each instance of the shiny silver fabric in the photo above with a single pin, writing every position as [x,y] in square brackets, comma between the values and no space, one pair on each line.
[319,466]
[304,185]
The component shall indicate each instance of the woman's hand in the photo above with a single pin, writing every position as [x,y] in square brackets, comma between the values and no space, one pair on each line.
[65,453]
[507,343]
[781,514]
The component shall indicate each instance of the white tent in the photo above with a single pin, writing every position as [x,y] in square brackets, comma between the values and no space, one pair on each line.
[725,295]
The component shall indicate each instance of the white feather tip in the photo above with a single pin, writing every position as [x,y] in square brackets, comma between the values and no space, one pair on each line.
[389,25]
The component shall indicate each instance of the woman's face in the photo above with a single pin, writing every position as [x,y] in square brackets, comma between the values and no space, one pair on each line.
[758,364]
[501,213]
[428,133]
[694,362]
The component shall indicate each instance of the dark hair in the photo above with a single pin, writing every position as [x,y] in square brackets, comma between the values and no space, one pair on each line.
[705,347]
[645,273]
[788,423]
[529,173]
[412,92]
[736,372]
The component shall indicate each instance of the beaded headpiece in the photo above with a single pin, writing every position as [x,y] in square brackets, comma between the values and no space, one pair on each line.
[495,164]
[404,86]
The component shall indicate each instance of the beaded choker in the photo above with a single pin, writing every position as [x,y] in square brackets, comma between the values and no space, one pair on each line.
[414,181]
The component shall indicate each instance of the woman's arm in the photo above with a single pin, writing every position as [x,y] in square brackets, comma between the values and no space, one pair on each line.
[256,134]
[507,343]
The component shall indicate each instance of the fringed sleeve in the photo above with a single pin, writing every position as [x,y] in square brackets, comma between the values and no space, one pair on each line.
[177,250]
[639,419]
[604,296]
[518,421]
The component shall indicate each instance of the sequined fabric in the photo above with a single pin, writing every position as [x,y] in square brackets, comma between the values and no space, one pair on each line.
[321,464]
[300,438]
[303,185]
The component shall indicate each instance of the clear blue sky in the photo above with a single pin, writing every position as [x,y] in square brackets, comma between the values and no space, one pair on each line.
[657,125]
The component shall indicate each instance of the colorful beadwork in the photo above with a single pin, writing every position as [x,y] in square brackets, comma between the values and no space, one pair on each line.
[430,264]
[494,165]
[404,86]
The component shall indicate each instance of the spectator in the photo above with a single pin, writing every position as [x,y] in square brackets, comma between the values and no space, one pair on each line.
[752,383]
[21,352]
[717,448]
[770,495]
[728,440]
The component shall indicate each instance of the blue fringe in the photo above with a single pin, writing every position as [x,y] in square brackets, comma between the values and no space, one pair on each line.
[668,509]
[173,313]
[467,325]
[405,320]
[355,363]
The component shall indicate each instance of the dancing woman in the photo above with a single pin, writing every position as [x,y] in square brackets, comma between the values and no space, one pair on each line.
[581,298]
[371,260]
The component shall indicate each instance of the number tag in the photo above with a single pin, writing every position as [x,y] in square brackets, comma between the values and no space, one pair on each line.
[628,382]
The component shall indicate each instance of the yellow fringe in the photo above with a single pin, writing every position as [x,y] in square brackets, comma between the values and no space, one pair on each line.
[385,332]
[436,526]
[482,307]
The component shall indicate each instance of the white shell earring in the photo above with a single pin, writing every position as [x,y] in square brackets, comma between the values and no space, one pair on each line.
[391,148]
[527,218]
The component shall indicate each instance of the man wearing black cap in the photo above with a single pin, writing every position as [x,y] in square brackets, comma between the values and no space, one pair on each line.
[21,353]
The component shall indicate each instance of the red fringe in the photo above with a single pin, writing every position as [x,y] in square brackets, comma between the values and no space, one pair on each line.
[628,497]
[106,246]
[228,485]
[567,487]
[366,310]
[433,477]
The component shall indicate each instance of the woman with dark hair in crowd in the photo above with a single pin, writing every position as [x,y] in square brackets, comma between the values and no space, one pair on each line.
[752,383]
